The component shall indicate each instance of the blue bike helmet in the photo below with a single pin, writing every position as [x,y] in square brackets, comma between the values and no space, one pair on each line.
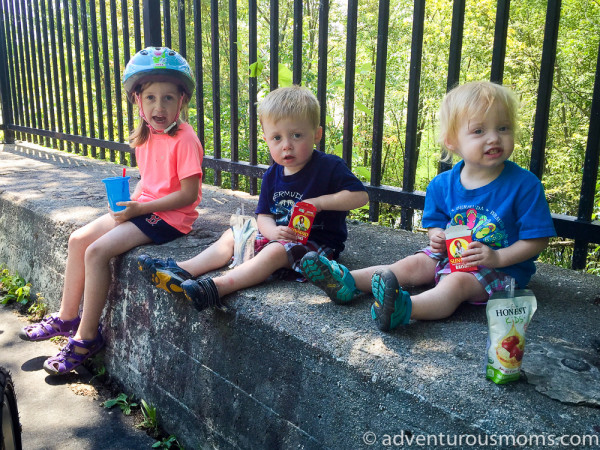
[156,61]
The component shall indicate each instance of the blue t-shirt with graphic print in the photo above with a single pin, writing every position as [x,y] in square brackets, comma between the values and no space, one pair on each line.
[510,208]
[324,174]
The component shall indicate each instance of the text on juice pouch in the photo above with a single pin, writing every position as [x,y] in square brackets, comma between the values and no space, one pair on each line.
[302,219]
[457,240]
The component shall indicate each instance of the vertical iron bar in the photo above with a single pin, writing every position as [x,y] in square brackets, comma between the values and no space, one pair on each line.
[181,27]
[499,49]
[12,67]
[412,115]
[349,86]
[590,171]
[55,75]
[32,69]
[297,53]
[88,77]
[97,78]
[28,43]
[216,83]
[379,102]
[274,45]
[167,23]
[456,39]
[25,99]
[108,104]
[253,90]
[152,25]
[199,72]
[117,76]
[542,111]
[322,66]
[42,79]
[48,70]
[69,46]
[126,56]
[233,88]
[80,70]
[5,96]
[137,26]
[62,76]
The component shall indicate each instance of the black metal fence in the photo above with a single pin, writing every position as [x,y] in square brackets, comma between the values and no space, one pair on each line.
[60,67]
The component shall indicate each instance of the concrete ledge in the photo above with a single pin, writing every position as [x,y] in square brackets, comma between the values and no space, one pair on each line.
[288,368]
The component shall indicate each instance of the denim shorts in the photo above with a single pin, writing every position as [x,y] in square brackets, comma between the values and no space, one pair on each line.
[156,229]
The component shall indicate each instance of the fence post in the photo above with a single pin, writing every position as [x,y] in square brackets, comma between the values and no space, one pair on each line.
[9,135]
[152,27]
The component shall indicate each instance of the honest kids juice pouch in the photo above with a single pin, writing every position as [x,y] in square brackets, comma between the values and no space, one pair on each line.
[508,317]
[458,238]
[302,219]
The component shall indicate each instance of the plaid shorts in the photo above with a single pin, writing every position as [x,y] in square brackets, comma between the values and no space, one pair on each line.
[295,252]
[491,279]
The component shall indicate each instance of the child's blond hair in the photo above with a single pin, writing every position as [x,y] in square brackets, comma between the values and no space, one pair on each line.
[141,133]
[472,100]
[294,102]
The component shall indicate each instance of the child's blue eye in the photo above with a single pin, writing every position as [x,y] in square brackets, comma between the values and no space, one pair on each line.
[478,131]
[276,138]
[297,135]
[503,129]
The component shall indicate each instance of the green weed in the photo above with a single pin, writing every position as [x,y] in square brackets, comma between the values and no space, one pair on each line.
[13,288]
[38,309]
[168,442]
[150,421]
[123,402]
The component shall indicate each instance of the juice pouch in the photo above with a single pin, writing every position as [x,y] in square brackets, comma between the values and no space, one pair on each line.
[508,318]
[244,230]
[302,219]
[458,238]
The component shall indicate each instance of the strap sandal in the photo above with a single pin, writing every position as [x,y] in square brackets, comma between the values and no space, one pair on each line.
[49,327]
[69,359]
[203,293]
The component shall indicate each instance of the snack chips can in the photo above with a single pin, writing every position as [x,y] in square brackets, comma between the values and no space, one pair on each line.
[302,219]
[457,240]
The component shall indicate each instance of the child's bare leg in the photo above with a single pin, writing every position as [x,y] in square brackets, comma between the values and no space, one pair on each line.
[75,269]
[214,257]
[253,271]
[97,272]
[414,270]
[442,300]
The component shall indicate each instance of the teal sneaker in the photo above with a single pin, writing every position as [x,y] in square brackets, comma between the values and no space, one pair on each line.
[392,305]
[329,276]
[164,274]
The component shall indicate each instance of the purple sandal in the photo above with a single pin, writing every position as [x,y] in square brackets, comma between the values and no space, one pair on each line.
[49,327]
[68,359]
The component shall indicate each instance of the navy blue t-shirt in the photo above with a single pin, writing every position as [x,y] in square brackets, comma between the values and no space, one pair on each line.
[324,174]
[510,208]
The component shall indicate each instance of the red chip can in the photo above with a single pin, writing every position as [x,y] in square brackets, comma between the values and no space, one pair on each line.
[302,219]
[457,240]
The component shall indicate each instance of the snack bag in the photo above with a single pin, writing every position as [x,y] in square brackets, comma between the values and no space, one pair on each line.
[458,238]
[508,318]
[302,219]
[244,233]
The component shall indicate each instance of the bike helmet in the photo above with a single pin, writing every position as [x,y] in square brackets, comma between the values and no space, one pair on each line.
[153,61]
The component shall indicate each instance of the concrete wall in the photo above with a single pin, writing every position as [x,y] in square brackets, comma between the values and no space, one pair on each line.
[286,368]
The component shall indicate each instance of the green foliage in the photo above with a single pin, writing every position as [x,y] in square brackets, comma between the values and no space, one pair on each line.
[38,309]
[123,402]
[168,442]
[13,288]
[150,421]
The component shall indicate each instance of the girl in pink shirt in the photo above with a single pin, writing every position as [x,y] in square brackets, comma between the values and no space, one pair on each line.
[162,206]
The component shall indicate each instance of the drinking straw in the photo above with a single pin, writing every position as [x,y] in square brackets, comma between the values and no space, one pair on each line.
[124,172]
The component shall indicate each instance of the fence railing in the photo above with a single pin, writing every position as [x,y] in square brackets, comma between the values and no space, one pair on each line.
[60,69]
